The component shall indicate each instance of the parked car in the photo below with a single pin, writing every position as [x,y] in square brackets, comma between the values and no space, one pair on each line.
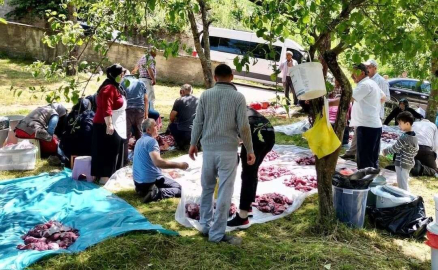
[415,91]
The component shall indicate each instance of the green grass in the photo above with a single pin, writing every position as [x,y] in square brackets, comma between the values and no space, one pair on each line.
[293,242]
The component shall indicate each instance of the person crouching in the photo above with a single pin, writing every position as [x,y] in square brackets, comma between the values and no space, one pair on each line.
[150,183]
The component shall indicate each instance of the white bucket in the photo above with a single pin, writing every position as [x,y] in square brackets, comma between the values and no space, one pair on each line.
[434,258]
[308,80]
[435,197]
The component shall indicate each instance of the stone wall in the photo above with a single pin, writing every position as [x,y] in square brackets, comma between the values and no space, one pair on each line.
[20,40]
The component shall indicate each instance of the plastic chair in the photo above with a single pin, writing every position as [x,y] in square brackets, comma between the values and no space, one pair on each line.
[82,165]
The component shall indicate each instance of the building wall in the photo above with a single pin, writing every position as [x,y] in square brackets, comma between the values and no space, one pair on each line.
[20,40]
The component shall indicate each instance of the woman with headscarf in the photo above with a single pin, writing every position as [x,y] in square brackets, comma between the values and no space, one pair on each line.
[403,106]
[76,139]
[109,126]
[42,124]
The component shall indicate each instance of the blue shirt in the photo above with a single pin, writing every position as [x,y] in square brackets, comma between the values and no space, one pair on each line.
[134,92]
[143,169]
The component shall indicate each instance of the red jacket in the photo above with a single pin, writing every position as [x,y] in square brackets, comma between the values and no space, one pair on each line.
[108,99]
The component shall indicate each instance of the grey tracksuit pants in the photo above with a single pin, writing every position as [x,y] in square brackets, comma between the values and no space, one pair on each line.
[402,177]
[223,165]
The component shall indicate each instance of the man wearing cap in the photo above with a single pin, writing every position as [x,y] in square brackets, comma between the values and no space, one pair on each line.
[285,68]
[148,73]
[365,117]
[381,82]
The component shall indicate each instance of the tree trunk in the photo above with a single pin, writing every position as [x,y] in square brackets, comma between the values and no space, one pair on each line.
[432,106]
[203,53]
[74,53]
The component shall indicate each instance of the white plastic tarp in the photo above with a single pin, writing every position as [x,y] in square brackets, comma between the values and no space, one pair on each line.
[293,129]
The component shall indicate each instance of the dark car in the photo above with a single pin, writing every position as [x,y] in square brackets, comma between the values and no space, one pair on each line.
[415,91]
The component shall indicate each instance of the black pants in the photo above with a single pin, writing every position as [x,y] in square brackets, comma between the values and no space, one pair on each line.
[250,173]
[289,87]
[182,138]
[134,118]
[427,157]
[167,188]
[106,152]
[368,147]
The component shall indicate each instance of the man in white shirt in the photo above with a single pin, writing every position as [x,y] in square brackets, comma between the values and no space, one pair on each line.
[365,117]
[285,67]
[425,160]
[381,82]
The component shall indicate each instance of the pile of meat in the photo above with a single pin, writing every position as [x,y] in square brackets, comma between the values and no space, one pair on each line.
[273,203]
[167,139]
[271,172]
[302,183]
[306,160]
[271,156]
[347,171]
[193,209]
[52,235]
[389,136]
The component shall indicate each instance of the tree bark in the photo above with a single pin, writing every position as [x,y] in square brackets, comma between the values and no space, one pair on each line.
[74,53]
[203,53]
[432,106]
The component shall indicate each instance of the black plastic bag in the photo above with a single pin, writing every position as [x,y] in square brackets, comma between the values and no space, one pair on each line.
[408,220]
[358,180]
[4,122]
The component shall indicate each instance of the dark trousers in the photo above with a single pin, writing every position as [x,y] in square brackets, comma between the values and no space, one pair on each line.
[182,138]
[167,188]
[368,147]
[289,87]
[106,152]
[250,173]
[427,157]
[134,118]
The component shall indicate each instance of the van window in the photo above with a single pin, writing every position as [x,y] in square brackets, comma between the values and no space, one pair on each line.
[297,55]
[425,88]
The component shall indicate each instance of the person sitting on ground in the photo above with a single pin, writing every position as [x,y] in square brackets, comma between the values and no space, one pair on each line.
[41,124]
[403,106]
[425,160]
[150,183]
[76,139]
[263,139]
[182,115]
[405,148]
[93,101]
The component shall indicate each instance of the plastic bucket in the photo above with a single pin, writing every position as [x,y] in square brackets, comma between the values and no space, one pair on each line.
[350,205]
[13,122]
[372,199]
[308,80]
[3,136]
[434,258]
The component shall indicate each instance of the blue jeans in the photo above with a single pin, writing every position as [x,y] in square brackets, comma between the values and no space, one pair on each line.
[53,122]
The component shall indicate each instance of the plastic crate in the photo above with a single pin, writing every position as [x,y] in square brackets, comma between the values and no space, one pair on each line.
[17,159]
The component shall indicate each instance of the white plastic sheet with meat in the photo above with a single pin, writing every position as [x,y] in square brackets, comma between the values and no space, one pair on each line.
[294,129]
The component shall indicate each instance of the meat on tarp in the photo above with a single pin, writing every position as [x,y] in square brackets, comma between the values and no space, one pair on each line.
[273,203]
[272,172]
[302,183]
[271,156]
[193,210]
[51,235]
[389,136]
[306,161]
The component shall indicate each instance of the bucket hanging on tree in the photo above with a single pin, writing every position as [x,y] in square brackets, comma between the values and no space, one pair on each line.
[308,80]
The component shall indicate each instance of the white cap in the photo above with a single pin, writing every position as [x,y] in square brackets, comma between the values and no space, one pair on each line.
[289,52]
[371,62]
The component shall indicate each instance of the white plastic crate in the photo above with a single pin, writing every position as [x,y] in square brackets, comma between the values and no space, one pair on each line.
[17,159]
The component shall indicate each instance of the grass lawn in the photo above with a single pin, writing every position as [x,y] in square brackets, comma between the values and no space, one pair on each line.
[289,243]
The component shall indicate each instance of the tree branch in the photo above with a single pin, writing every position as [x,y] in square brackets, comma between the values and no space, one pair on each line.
[339,48]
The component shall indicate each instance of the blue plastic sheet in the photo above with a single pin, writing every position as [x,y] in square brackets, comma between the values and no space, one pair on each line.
[95,212]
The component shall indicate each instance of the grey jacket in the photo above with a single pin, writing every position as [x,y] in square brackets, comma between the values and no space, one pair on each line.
[406,149]
[37,122]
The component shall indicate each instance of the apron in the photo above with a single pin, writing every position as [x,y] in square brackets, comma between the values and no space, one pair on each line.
[119,120]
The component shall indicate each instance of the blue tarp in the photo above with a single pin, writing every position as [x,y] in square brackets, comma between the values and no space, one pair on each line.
[95,212]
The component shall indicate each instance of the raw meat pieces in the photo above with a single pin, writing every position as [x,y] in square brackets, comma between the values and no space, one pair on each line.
[193,209]
[271,156]
[346,171]
[389,136]
[306,160]
[168,139]
[52,235]
[302,183]
[274,203]
[271,172]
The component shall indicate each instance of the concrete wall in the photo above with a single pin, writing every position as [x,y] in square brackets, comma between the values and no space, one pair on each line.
[21,40]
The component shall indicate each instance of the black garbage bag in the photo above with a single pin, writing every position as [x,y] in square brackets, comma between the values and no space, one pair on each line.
[4,122]
[408,220]
[358,180]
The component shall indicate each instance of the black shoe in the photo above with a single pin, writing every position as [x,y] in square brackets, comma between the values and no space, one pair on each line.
[152,195]
[232,240]
[239,223]
[54,161]
[348,157]
[417,169]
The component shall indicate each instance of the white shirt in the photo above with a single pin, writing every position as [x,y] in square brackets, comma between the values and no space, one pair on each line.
[384,86]
[426,133]
[366,107]
[285,70]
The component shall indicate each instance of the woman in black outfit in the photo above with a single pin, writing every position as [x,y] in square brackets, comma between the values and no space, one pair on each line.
[403,106]
[263,139]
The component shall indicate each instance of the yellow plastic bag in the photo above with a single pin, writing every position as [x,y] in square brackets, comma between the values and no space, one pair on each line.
[322,138]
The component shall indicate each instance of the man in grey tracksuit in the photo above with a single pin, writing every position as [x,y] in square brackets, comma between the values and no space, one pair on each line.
[220,119]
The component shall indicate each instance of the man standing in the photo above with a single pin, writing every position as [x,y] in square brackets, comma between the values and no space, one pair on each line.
[220,117]
[365,117]
[381,82]
[425,160]
[149,181]
[285,67]
[182,115]
[148,73]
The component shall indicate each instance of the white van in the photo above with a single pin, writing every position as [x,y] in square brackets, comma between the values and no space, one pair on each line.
[226,44]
